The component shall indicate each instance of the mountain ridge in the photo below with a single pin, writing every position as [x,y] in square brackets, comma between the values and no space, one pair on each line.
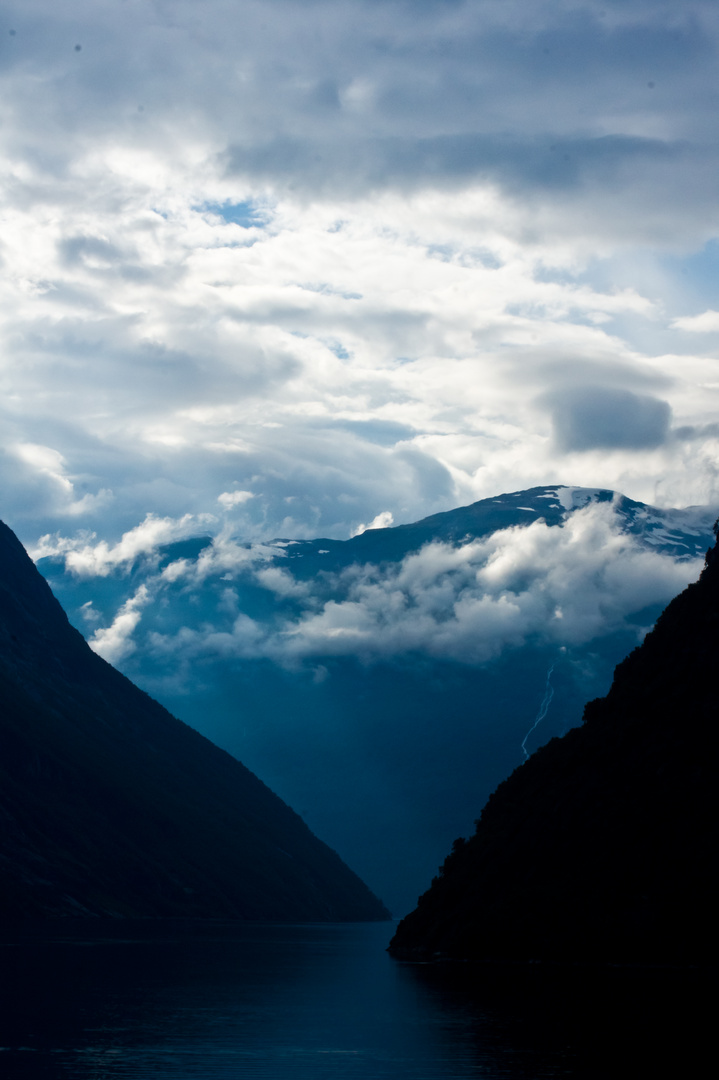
[480,518]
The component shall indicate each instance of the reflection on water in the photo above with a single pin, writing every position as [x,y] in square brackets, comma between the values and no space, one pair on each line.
[194,1000]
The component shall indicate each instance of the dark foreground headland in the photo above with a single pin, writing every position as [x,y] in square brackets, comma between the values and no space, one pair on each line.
[111,806]
[600,848]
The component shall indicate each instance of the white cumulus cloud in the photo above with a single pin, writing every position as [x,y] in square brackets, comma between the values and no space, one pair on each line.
[228,499]
[381,521]
[87,559]
[561,586]
[114,643]
[706,323]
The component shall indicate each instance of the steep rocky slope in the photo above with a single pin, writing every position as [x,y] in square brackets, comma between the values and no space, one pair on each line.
[109,805]
[600,846]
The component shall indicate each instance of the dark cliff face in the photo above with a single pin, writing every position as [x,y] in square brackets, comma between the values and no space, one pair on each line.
[600,847]
[109,805]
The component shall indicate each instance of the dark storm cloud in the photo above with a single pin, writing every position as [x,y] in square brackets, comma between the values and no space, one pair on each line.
[595,417]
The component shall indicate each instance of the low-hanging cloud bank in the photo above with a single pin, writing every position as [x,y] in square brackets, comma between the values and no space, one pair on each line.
[87,559]
[549,586]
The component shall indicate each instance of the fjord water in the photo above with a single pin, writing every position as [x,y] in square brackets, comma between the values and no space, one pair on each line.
[203,1000]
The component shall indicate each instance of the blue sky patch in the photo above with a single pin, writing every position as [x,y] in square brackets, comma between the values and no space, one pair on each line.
[246,214]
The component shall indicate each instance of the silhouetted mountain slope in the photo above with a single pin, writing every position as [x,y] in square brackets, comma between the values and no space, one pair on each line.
[600,846]
[110,805]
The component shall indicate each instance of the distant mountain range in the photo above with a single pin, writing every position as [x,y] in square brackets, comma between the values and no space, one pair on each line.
[599,847]
[384,685]
[681,533]
[110,806]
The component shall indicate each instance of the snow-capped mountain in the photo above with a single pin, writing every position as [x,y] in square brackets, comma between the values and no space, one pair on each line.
[681,533]
[383,685]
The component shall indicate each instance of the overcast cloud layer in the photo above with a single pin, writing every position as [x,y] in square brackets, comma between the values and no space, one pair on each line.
[295,265]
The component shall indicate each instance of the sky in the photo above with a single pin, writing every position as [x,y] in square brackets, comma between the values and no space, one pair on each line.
[292,268]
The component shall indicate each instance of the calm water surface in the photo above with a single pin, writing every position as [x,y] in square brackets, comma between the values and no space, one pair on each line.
[187,1000]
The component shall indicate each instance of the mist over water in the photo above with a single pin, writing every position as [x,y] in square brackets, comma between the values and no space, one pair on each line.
[203,1000]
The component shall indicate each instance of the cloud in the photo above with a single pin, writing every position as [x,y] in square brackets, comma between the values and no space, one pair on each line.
[89,614]
[47,461]
[593,417]
[229,499]
[381,521]
[558,586]
[48,464]
[549,164]
[85,559]
[706,323]
[703,432]
[282,583]
[329,256]
[114,643]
